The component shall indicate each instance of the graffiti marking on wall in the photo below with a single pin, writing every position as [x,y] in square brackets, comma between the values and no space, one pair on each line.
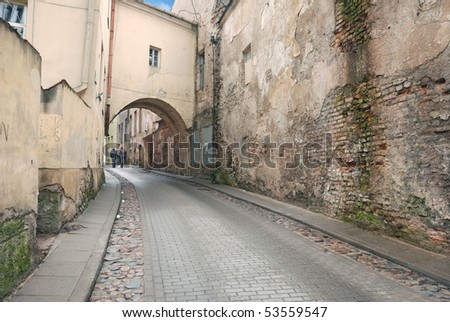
[4,130]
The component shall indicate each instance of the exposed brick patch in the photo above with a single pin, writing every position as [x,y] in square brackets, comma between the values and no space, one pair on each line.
[352,28]
[390,170]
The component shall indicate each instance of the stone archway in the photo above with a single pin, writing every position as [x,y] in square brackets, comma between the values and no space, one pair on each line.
[173,128]
[164,110]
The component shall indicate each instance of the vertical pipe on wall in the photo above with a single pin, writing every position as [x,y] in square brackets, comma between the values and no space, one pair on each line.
[87,46]
[110,64]
[111,46]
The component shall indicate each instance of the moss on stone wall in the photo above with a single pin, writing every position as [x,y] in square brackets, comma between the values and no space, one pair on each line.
[56,207]
[351,24]
[15,254]
[416,206]
[222,176]
[49,208]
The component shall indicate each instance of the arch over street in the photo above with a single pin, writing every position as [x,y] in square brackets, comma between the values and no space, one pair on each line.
[164,110]
[159,139]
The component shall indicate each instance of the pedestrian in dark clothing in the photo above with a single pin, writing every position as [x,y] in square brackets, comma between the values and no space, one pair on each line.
[113,156]
[121,156]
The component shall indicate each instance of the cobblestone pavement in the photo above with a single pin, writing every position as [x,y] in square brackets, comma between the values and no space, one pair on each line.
[201,245]
[396,273]
[122,275]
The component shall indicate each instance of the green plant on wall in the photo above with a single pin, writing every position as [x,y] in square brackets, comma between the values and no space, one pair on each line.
[222,176]
[364,216]
[15,254]
[352,24]
[348,7]
[354,102]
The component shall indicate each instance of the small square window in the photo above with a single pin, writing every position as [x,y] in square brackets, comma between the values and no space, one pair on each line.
[154,57]
[15,15]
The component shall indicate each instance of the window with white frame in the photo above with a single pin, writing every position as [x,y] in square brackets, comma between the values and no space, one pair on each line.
[154,57]
[14,14]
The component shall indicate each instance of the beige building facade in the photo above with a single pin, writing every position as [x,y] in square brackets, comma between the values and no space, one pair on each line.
[153,78]
[72,113]
[62,132]
[153,63]
[77,50]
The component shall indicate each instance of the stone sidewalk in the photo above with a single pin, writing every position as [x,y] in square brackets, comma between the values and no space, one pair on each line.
[433,265]
[70,269]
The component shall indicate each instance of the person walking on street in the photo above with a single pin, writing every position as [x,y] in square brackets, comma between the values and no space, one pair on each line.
[121,156]
[113,156]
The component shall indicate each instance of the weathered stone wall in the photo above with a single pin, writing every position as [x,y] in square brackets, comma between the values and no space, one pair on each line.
[390,136]
[352,29]
[70,153]
[20,70]
[160,152]
[346,111]
[17,247]
[206,15]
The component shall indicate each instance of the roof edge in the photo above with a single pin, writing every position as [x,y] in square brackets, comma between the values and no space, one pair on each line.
[139,4]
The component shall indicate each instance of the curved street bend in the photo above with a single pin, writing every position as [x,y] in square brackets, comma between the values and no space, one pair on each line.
[200,246]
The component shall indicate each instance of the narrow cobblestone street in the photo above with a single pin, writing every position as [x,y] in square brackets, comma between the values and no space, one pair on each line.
[174,241]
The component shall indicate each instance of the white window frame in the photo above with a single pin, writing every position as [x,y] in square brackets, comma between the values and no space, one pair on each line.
[17,26]
[152,53]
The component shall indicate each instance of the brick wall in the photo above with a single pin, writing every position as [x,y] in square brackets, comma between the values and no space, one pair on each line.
[391,138]
[352,28]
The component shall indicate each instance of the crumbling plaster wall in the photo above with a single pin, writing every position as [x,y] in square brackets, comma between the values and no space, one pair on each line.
[70,156]
[407,34]
[20,73]
[381,92]
[205,14]
[294,69]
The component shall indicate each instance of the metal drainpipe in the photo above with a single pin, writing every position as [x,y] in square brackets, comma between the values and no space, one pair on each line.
[87,47]
[214,91]
[111,46]
[215,128]
[110,64]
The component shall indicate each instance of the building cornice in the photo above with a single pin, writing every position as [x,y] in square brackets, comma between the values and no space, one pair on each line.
[157,12]
[227,10]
